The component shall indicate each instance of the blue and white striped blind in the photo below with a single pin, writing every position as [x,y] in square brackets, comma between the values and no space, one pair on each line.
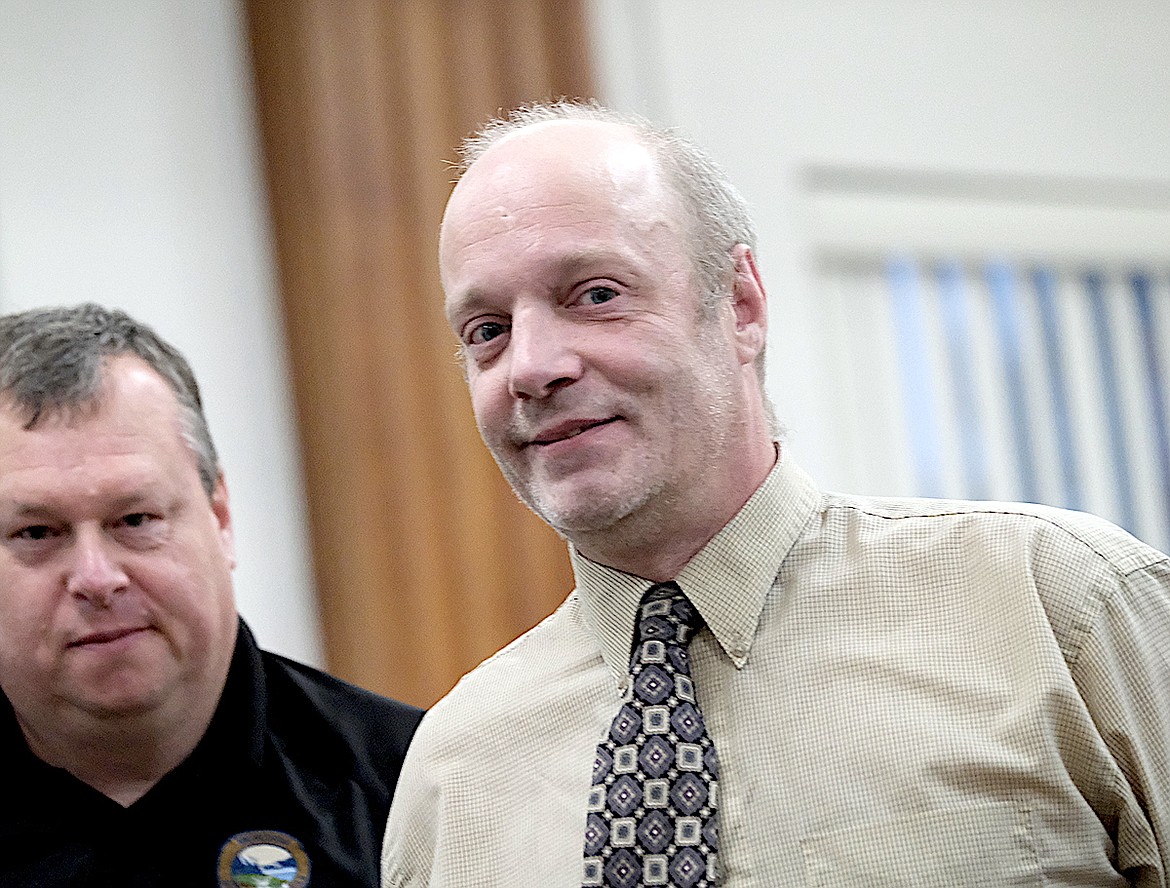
[1017,381]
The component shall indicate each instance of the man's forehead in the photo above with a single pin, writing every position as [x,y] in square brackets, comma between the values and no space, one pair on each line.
[131,399]
[563,138]
[549,153]
[564,162]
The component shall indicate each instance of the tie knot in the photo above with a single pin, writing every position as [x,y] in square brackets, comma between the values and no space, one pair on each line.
[667,615]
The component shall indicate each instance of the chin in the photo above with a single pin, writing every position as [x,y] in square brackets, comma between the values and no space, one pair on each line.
[127,699]
[586,511]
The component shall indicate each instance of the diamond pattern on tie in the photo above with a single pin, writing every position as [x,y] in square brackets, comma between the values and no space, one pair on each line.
[652,807]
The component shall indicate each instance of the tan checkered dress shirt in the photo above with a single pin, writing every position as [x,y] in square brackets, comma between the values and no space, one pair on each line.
[902,692]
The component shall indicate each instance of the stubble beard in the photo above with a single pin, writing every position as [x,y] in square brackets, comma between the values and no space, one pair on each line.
[583,513]
[643,496]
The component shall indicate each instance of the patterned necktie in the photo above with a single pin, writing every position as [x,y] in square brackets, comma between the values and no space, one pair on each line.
[651,817]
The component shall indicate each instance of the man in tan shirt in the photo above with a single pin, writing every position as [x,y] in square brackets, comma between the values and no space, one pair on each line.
[901,692]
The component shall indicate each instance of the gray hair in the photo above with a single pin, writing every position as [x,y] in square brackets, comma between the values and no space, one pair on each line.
[52,361]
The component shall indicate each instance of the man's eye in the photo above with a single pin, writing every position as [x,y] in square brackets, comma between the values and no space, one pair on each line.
[485,332]
[598,295]
[136,519]
[35,532]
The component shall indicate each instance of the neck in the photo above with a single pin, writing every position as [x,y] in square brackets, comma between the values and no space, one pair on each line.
[121,757]
[658,544]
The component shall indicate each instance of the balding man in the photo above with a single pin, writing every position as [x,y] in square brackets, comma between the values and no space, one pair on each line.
[754,683]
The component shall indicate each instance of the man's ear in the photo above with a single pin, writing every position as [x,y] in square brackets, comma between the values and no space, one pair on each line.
[750,303]
[223,518]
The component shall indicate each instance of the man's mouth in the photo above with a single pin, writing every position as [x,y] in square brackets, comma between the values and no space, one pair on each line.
[567,430]
[106,636]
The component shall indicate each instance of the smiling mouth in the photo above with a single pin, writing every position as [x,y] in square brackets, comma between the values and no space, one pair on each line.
[557,436]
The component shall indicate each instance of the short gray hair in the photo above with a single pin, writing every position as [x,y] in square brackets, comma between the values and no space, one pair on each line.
[52,361]
[719,216]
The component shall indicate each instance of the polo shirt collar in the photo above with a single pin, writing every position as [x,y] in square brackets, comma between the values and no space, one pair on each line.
[241,718]
[728,580]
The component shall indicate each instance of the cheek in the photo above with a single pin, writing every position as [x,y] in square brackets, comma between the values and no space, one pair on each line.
[491,405]
[29,624]
[27,604]
[177,589]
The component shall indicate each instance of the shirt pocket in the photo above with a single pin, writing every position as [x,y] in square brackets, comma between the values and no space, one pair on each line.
[986,844]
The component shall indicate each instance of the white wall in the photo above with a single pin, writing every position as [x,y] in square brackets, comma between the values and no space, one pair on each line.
[801,97]
[130,175]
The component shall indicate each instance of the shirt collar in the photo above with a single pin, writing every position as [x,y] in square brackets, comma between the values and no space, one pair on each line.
[728,580]
[241,718]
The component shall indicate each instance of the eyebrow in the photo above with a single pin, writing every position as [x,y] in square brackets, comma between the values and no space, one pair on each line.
[37,509]
[567,264]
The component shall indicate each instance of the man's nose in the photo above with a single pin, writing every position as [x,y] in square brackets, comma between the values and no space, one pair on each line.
[94,574]
[543,353]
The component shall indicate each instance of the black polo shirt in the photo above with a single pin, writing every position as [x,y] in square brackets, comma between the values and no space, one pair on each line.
[292,779]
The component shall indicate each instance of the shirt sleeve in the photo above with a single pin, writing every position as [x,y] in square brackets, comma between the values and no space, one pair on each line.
[1123,673]
[410,839]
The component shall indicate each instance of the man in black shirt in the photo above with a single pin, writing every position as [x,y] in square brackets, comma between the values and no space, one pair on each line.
[147,740]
